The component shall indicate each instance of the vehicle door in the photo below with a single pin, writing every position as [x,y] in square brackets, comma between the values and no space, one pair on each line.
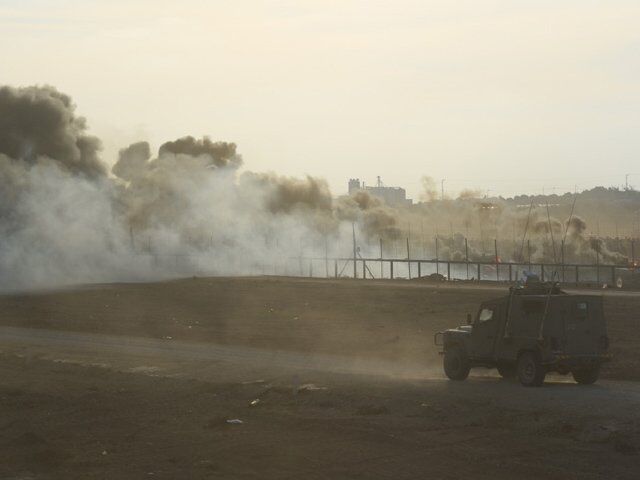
[582,330]
[485,329]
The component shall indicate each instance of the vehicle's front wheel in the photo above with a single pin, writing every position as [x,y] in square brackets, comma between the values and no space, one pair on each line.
[586,376]
[531,372]
[456,363]
[507,370]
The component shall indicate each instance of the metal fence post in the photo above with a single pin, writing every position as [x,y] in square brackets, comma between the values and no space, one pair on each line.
[495,246]
[466,254]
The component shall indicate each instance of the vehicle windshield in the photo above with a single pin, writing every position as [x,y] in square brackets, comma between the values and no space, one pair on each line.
[486,314]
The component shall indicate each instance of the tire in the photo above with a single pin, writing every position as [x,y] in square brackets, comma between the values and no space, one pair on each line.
[619,282]
[456,364]
[586,376]
[531,372]
[507,370]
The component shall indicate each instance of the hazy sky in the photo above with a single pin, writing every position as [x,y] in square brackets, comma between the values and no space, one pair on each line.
[510,96]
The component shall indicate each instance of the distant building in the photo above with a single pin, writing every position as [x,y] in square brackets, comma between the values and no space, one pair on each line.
[393,196]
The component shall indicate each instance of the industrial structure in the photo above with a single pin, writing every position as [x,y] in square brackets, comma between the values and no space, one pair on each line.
[393,196]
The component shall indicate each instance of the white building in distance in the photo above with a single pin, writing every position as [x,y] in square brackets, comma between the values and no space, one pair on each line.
[392,196]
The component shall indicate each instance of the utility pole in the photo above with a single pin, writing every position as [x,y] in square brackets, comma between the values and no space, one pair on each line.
[562,258]
[495,249]
[437,259]
[408,258]
[355,271]
[326,256]
[442,188]
[381,262]
[466,254]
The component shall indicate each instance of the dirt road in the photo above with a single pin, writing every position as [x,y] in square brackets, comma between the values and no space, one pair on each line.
[172,358]
[365,320]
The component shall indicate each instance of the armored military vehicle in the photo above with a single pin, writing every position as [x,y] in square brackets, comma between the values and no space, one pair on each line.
[533,330]
[629,277]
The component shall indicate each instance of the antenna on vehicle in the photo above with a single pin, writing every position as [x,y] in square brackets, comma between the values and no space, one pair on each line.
[553,242]
[552,284]
[555,272]
[507,323]
[526,227]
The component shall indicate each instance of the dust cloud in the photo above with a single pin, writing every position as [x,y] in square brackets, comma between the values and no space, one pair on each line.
[191,208]
[64,218]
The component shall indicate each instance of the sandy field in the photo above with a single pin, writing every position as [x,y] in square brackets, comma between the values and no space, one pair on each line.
[291,378]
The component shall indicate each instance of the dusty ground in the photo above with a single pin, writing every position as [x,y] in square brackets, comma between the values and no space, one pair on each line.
[347,382]
[372,319]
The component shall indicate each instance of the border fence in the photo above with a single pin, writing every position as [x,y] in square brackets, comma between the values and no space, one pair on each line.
[359,265]
[399,268]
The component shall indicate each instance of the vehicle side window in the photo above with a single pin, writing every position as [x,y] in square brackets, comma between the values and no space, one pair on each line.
[485,315]
[582,310]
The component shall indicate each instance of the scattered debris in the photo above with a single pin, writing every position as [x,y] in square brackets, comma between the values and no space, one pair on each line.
[310,387]
[235,421]
[252,382]
[144,369]
[254,402]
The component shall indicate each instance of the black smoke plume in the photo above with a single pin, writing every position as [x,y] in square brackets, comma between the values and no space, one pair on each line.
[37,122]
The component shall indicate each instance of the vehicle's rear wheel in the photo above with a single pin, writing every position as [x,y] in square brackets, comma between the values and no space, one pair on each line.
[456,363]
[586,376]
[507,370]
[531,372]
